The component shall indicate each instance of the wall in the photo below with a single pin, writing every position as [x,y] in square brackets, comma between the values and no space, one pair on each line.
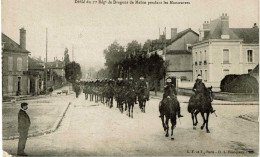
[235,97]
[14,73]
[180,44]
[252,65]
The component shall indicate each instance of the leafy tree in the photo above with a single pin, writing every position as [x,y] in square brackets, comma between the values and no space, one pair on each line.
[66,56]
[73,72]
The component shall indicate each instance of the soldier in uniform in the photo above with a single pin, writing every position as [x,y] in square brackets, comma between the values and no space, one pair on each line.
[170,92]
[199,87]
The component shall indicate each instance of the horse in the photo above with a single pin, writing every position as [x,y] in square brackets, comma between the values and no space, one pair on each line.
[201,104]
[168,109]
[142,99]
[130,100]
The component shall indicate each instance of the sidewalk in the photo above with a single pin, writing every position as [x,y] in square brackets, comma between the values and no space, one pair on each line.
[31,97]
[185,99]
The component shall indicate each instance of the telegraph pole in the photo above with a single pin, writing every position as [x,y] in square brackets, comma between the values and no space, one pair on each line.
[46,60]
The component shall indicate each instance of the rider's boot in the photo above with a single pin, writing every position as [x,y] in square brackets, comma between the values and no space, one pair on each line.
[211,110]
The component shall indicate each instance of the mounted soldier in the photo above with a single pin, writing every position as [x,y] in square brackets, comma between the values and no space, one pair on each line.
[199,88]
[170,92]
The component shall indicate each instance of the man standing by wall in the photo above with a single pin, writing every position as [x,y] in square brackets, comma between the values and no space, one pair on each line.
[23,128]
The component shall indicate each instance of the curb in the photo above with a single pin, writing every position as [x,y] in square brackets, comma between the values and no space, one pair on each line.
[219,103]
[44,132]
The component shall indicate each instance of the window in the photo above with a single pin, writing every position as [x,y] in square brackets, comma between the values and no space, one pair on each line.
[226,72]
[196,57]
[226,56]
[205,75]
[200,56]
[19,63]
[10,84]
[10,63]
[205,55]
[250,56]
[201,73]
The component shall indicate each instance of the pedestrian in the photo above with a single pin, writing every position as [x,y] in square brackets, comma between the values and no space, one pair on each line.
[51,90]
[23,128]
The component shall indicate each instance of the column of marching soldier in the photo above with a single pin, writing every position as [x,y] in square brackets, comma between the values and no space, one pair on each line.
[121,90]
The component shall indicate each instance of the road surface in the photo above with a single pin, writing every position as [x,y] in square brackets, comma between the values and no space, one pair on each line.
[93,129]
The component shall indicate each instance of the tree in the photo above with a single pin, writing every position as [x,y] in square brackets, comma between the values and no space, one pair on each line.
[66,56]
[73,72]
[114,54]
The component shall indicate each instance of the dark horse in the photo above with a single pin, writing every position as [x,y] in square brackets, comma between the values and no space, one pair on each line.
[168,109]
[130,100]
[142,99]
[201,103]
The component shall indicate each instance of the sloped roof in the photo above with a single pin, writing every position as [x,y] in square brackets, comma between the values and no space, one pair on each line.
[215,30]
[249,35]
[34,64]
[55,65]
[180,34]
[10,45]
[176,52]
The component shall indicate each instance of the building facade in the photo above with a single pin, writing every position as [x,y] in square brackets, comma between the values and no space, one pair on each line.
[14,65]
[222,50]
[178,54]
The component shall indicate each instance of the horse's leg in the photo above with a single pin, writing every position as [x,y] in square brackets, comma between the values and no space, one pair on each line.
[173,121]
[192,116]
[126,105]
[204,121]
[144,106]
[195,114]
[162,118]
[167,126]
[133,109]
[129,108]
[207,122]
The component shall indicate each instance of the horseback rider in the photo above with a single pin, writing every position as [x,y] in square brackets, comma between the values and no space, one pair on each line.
[199,87]
[170,92]
[143,85]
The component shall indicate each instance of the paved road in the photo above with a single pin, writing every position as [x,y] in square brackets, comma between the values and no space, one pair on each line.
[93,129]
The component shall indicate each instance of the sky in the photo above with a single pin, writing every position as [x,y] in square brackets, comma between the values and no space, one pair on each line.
[91,28]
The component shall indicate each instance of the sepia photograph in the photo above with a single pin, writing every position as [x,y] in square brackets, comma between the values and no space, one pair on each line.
[130,77]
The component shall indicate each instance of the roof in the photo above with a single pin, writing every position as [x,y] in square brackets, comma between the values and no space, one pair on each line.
[249,35]
[159,43]
[176,52]
[55,65]
[215,30]
[10,45]
[34,64]
[180,34]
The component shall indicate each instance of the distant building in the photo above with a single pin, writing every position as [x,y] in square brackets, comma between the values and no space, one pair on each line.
[222,50]
[15,65]
[178,54]
[36,75]
[55,73]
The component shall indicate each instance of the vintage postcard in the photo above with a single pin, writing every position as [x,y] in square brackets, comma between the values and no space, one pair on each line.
[130,77]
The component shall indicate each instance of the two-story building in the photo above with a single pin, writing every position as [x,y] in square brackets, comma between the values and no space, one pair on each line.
[14,65]
[222,50]
[178,54]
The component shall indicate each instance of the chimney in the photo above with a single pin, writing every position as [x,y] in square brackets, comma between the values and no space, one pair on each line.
[206,29]
[23,38]
[224,26]
[173,32]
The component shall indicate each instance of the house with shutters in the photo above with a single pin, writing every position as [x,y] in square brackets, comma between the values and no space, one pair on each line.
[222,50]
[15,65]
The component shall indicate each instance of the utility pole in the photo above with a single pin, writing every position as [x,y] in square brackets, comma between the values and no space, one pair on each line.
[46,60]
